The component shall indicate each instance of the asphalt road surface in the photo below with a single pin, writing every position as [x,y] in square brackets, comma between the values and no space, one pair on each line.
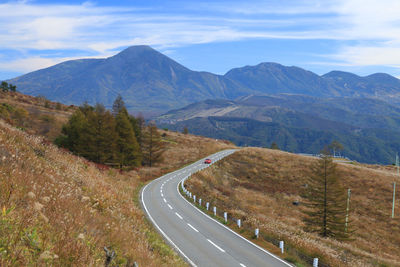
[198,238]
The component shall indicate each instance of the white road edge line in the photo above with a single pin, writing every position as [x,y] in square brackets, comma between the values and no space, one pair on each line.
[159,229]
[215,245]
[162,232]
[179,216]
[193,228]
[257,246]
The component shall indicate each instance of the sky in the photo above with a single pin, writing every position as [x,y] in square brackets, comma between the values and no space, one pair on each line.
[359,36]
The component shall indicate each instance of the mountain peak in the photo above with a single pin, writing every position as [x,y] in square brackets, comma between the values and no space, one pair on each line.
[137,51]
[338,73]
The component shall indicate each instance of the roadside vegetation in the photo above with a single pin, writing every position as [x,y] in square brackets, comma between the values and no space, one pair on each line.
[265,189]
[59,209]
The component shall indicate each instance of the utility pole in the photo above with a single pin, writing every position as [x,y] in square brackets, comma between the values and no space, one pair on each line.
[394,197]
[394,185]
[347,209]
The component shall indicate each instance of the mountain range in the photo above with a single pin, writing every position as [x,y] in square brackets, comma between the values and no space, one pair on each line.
[152,83]
[252,105]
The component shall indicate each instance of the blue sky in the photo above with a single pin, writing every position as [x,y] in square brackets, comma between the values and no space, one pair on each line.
[360,36]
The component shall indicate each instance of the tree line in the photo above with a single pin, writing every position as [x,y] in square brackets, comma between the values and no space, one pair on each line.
[5,87]
[113,138]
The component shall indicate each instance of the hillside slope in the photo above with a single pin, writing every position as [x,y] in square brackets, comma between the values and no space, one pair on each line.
[368,128]
[60,209]
[259,186]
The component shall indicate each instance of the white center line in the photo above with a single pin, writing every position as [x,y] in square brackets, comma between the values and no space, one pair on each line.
[169,206]
[162,195]
[215,245]
[165,200]
[242,265]
[180,217]
[193,228]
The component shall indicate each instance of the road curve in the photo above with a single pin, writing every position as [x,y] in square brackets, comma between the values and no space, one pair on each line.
[198,238]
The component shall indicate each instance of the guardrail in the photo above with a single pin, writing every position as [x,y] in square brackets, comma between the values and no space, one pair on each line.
[224,217]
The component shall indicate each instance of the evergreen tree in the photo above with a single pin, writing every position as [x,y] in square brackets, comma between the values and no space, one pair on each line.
[137,127]
[274,146]
[72,132]
[185,130]
[12,88]
[152,145]
[118,105]
[4,86]
[325,201]
[128,150]
[99,138]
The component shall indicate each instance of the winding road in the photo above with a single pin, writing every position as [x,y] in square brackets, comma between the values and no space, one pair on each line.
[199,239]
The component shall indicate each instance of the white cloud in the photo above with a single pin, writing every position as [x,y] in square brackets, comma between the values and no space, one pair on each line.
[373,27]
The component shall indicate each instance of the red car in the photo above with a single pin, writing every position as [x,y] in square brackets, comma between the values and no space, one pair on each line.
[207,161]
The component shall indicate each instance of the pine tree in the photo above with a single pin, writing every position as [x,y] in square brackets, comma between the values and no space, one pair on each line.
[101,136]
[274,146]
[91,133]
[152,145]
[71,137]
[128,150]
[118,105]
[4,86]
[137,127]
[325,201]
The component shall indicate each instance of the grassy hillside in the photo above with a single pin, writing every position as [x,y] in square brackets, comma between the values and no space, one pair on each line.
[259,186]
[34,115]
[59,209]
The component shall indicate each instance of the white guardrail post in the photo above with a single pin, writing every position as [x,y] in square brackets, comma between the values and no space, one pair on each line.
[226,216]
[239,223]
[207,205]
[215,211]
[194,198]
[200,201]
[281,246]
[315,262]
[256,232]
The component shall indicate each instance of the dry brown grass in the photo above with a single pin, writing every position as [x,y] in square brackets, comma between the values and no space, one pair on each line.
[259,186]
[43,117]
[62,210]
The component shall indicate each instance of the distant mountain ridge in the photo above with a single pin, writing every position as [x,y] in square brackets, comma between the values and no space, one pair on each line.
[153,83]
[369,129]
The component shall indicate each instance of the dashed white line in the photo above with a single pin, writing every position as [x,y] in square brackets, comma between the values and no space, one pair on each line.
[169,206]
[242,265]
[165,200]
[179,216]
[162,195]
[215,245]
[193,228]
